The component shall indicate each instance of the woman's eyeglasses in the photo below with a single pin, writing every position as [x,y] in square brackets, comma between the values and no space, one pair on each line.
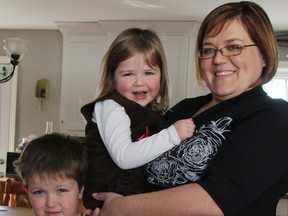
[229,50]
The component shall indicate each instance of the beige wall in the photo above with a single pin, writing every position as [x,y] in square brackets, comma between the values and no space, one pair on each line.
[43,60]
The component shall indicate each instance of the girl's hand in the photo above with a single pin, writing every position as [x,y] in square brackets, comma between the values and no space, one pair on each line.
[185,128]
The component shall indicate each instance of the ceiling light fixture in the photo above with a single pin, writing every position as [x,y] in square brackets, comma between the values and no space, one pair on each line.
[15,49]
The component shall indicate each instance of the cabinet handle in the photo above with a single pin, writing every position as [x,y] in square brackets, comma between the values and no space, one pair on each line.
[2,161]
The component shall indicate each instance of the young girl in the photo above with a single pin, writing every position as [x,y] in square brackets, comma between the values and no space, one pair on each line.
[133,93]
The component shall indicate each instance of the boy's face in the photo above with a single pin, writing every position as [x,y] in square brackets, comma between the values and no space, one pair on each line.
[53,196]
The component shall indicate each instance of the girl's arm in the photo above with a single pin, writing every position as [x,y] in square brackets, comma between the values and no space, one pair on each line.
[114,127]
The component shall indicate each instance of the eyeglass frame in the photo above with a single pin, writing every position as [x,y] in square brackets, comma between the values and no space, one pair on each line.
[221,50]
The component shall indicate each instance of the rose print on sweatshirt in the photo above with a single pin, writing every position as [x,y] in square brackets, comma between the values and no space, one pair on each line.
[187,161]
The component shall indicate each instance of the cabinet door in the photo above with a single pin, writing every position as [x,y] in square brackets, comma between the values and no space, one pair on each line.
[82,56]
[176,51]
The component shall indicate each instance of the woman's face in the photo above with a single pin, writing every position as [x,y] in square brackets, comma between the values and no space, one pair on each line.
[230,76]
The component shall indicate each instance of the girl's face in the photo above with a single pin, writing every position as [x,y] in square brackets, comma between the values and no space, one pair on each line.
[137,81]
[229,76]
[53,196]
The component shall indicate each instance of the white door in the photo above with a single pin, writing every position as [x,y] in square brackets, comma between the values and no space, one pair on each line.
[8,94]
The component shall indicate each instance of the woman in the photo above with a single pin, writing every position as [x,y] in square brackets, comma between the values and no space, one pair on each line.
[236,54]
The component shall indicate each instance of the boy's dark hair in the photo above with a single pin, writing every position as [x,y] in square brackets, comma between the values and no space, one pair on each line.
[53,155]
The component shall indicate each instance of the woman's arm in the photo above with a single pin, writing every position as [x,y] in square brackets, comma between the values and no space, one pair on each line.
[186,200]
[114,127]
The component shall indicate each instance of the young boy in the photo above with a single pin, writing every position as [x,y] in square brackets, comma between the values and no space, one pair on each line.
[52,168]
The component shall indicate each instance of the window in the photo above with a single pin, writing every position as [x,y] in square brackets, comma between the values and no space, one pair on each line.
[278,86]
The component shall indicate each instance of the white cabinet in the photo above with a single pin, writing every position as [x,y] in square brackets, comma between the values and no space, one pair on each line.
[81,64]
[84,46]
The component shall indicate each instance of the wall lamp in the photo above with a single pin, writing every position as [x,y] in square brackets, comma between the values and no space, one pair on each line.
[15,49]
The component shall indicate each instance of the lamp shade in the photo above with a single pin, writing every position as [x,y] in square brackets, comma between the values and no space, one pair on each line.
[15,46]
[15,49]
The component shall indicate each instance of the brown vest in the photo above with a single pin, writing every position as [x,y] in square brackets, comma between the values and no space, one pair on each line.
[103,174]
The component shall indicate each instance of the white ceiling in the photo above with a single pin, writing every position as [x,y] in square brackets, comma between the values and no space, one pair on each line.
[42,14]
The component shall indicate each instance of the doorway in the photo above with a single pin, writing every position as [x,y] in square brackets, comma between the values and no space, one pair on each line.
[8,99]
